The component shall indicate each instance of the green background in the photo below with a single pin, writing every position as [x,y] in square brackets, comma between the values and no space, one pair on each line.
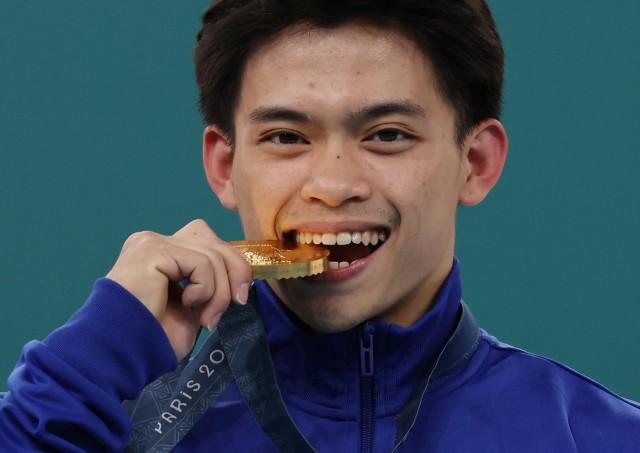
[100,137]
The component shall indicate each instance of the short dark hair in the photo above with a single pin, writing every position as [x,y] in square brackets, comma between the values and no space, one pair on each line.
[459,37]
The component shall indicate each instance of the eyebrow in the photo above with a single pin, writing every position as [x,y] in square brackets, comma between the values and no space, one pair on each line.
[276,113]
[352,121]
[405,107]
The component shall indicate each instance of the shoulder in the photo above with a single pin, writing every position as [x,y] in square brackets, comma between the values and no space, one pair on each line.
[544,390]
[528,368]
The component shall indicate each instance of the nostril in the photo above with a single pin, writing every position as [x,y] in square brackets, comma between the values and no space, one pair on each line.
[336,190]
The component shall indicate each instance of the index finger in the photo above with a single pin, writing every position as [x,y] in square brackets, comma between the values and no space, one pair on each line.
[197,234]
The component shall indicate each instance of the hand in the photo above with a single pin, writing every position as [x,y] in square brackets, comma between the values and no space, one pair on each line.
[151,265]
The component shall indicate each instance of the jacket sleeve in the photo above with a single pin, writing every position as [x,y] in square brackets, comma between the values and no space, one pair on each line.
[65,392]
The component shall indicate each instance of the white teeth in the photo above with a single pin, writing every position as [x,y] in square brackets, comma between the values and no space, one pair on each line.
[343,238]
[329,239]
[334,265]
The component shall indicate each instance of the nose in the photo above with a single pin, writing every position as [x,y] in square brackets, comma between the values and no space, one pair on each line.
[335,177]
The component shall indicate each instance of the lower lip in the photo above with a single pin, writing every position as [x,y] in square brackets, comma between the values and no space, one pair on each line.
[346,273]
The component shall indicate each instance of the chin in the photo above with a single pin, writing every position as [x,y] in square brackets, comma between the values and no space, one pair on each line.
[331,326]
[326,320]
[328,312]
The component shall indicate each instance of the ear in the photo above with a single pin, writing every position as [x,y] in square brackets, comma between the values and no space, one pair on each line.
[217,158]
[484,155]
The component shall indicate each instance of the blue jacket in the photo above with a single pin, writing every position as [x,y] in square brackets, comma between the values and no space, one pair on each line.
[65,393]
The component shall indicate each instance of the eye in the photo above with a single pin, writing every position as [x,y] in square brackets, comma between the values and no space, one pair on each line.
[389,141]
[285,138]
[389,135]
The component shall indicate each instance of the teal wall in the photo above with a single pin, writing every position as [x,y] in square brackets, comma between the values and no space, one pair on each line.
[100,137]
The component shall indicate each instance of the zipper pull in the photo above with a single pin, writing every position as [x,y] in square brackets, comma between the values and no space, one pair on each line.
[366,351]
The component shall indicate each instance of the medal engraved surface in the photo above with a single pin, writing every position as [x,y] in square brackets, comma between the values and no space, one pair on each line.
[274,259]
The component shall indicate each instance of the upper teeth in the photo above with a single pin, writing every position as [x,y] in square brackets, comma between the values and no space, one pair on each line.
[341,238]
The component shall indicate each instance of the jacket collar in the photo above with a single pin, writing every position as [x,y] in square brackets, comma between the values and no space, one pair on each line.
[321,373]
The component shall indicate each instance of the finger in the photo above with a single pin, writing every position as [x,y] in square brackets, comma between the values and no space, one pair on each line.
[199,236]
[237,275]
[221,296]
[178,263]
[202,282]
[140,237]
[238,272]
[196,230]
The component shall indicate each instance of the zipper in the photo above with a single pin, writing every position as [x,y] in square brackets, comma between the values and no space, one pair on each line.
[367,367]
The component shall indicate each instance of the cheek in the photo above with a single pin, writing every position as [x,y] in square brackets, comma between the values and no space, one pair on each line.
[425,194]
[262,188]
[246,185]
[406,184]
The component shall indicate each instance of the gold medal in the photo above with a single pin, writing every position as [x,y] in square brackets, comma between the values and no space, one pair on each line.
[274,259]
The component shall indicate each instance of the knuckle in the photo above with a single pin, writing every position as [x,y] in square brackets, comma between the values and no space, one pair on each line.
[201,227]
[139,238]
[197,224]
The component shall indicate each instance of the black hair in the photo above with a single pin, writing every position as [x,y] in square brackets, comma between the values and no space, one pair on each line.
[458,36]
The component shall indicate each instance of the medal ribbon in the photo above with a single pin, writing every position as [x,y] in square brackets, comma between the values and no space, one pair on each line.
[238,350]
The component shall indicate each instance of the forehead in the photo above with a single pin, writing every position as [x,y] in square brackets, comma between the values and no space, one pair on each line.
[333,67]
[343,42]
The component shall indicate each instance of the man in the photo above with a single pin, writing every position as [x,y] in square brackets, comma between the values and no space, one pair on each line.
[361,125]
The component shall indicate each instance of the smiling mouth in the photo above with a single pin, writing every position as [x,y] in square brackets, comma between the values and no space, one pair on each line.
[345,247]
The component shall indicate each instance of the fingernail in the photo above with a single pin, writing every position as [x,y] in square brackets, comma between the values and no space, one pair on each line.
[243,294]
[214,322]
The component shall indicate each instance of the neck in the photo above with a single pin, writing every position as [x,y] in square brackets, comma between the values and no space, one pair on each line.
[419,299]
[319,371]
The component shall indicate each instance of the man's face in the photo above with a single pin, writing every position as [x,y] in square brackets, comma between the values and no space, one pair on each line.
[345,131]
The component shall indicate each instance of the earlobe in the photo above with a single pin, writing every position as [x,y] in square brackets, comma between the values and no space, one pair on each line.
[485,155]
[217,158]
